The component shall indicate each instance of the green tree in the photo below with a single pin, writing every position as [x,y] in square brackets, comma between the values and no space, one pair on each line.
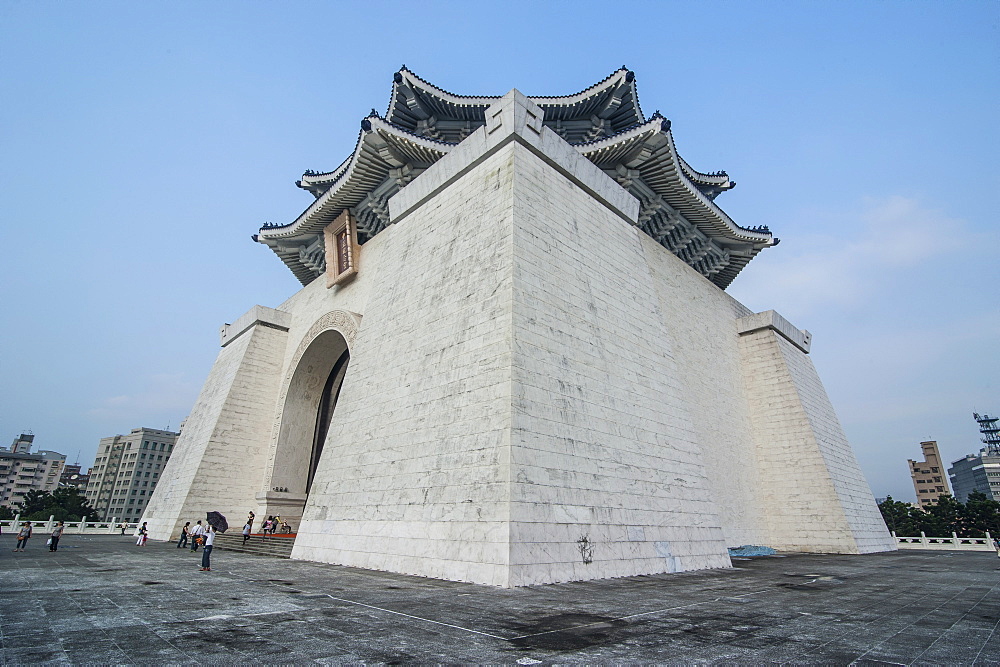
[6,513]
[944,517]
[970,519]
[65,504]
[980,514]
[899,517]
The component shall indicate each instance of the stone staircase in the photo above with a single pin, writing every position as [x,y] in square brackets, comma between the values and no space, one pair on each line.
[278,546]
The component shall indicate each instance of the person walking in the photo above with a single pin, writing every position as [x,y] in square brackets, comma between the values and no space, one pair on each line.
[206,553]
[141,542]
[246,533]
[54,537]
[184,536]
[197,533]
[23,535]
[124,527]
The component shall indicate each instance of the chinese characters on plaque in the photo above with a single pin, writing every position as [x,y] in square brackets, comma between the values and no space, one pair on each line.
[340,240]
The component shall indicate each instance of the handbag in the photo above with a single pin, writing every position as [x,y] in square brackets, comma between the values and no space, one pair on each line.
[48,542]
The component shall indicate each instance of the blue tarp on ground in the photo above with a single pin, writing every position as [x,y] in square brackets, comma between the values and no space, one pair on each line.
[751,550]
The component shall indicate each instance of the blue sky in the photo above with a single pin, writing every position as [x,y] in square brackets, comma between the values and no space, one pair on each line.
[142,144]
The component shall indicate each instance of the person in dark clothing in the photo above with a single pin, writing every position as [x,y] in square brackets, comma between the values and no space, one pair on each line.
[54,537]
[184,536]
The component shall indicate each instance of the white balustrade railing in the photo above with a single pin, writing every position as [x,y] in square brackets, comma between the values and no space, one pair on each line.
[953,543]
[84,526]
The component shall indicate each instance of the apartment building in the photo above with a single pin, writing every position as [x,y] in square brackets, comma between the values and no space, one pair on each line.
[126,470]
[929,480]
[22,471]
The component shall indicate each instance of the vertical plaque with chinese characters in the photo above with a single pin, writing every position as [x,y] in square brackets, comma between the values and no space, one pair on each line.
[340,240]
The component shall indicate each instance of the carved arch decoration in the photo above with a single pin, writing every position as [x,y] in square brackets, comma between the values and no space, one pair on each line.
[343,322]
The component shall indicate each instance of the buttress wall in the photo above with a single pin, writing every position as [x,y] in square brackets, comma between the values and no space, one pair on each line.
[813,493]
[219,457]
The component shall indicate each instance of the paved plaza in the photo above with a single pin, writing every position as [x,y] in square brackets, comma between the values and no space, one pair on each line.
[101,599]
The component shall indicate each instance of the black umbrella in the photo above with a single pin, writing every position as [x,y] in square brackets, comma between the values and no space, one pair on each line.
[217,521]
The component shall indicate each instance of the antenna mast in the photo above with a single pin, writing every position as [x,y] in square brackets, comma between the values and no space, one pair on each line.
[991,433]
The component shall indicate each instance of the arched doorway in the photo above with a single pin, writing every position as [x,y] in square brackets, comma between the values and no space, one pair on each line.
[307,410]
[324,412]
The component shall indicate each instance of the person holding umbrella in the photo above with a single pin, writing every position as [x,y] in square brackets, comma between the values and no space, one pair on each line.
[206,553]
[216,523]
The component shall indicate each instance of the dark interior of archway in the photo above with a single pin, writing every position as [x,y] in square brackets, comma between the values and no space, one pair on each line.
[324,413]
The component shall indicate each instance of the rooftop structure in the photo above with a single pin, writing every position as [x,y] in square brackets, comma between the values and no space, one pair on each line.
[979,472]
[22,444]
[604,123]
[991,432]
[73,475]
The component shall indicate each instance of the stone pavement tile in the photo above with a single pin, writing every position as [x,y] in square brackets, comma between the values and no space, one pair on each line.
[84,650]
[989,653]
[968,643]
[33,656]
[61,626]
[22,637]
[147,642]
[316,649]
[116,618]
[902,647]
[268,651]
[231,639]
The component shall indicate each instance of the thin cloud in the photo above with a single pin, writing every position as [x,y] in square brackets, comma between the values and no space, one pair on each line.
[816,271]
[157,396]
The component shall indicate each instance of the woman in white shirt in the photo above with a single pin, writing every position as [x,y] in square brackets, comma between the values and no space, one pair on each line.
[206,554]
